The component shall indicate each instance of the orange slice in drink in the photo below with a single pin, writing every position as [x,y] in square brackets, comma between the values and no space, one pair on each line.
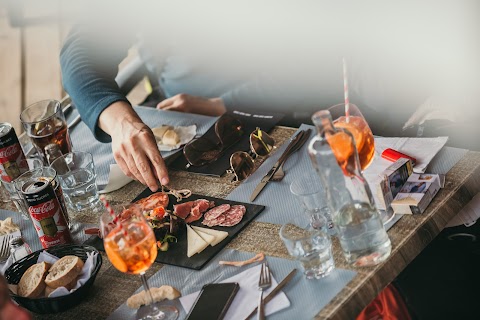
[341,145]
[115,257]
[355,127]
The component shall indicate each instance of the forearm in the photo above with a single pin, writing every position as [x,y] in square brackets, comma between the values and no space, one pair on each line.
[116,115]
[88,73]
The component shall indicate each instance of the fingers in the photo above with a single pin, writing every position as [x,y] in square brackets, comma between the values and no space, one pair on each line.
[158,165]
[166,103]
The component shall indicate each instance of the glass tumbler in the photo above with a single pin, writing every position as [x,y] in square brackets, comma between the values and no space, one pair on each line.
[44,123]
[76,174]
[311,195]
[312,247]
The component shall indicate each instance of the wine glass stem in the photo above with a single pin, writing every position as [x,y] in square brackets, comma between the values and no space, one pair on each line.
[147,289]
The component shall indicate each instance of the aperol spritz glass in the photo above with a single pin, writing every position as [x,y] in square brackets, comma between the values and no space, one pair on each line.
[131,247]
[358,127]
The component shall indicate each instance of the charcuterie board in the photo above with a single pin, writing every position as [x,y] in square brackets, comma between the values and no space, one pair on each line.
[177,252]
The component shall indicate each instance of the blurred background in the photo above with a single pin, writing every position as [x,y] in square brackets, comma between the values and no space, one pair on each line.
[31,36]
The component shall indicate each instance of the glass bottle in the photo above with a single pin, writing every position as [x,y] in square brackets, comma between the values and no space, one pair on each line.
[360,229]
[19,249]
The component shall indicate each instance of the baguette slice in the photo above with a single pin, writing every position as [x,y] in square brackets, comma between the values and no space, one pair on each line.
[32,283]
[69,287]
[159,294]
[64,271]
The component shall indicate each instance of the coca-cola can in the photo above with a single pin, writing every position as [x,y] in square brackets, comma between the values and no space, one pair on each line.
[12,158]
[46,210]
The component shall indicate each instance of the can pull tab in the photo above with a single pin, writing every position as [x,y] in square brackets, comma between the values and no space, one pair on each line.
[394,155]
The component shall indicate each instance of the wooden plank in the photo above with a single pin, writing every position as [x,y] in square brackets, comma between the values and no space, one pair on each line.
[10,74]
[42,48]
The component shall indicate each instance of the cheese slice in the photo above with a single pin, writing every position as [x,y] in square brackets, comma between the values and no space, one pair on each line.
[205,236]
[219,235]
[195,243]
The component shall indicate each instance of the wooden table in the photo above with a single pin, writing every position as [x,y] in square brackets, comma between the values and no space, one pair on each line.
[409,237]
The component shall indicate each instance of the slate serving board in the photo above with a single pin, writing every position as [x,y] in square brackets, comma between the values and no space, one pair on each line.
[177,252]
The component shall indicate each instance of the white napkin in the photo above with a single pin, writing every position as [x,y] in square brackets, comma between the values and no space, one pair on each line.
[186,134]
[422,149]
[247,297]
[83,277]
[116,179]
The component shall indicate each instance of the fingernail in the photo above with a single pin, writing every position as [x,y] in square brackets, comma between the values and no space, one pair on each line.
[154,188]
[164,181]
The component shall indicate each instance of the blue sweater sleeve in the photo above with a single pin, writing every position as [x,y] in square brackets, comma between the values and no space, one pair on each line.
[89,63]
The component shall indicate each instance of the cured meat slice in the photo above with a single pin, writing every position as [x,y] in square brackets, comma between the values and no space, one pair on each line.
[159,199]
[215,212]
[195,214]
[202,205]
[183,209]
[214,222]
[233,216]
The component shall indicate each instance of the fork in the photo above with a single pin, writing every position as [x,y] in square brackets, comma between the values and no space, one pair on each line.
[264,282]
[5,249]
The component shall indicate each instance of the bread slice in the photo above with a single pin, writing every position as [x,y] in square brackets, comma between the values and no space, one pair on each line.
[195,243]
[219,235]
[69,287]
[32,282]
[159,294]
[64,271]
[160,131]
[170,138]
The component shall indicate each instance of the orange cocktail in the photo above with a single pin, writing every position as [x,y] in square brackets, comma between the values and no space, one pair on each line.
[134,252]
[358,127]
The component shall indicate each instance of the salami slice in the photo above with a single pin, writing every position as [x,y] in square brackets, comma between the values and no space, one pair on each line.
[233,216]
[215,212]
[214,222]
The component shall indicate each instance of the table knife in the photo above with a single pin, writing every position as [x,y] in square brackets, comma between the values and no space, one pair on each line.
[275,291]
[294,145]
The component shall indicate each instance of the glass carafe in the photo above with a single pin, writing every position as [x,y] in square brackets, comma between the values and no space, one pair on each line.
[359,227]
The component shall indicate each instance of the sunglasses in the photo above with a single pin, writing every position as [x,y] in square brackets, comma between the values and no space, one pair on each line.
[202,151]
[242,163]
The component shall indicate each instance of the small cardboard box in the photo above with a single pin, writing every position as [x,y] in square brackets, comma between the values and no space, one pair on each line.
[416,194]
[392,180]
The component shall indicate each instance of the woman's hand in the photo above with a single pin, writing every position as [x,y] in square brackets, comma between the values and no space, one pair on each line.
[133,145]
[193,104]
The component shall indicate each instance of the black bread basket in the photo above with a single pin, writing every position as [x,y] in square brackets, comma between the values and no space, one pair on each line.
[57,304]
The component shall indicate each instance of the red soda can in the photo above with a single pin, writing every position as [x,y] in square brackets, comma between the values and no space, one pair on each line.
[46,211]
[12,158]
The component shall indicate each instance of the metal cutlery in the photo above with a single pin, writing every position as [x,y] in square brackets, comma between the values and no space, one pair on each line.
[5,248]
[295,144]
[275,291]
[264,282]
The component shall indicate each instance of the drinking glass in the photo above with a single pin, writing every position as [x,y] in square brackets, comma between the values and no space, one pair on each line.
[15,196]
[44,123]
[76,174]
[312,247]
[364,141]
[358,127]
[312,197]
[131,247]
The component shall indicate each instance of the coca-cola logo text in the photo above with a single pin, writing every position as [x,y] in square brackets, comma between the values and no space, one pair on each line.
[9,151]
[43,208]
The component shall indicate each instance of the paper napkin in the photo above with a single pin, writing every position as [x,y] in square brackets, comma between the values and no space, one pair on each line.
[116,179]
[247,297]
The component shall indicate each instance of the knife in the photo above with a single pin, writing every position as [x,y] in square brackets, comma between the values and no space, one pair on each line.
[275,291]
[294,145]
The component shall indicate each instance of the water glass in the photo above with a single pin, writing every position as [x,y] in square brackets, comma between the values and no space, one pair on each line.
[15,196]
[45,123]
[312,247]
[76,174]
[311,195]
